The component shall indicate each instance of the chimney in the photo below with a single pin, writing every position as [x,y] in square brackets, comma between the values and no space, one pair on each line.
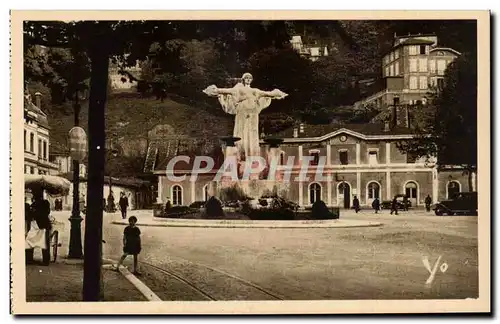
[301,127]
[387,126]
[295,132]
[38,100]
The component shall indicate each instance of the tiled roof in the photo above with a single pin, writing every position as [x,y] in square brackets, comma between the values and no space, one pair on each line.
[41,116]
[365,129]
[411,41]
[161,151]
[416,41]
[125,182]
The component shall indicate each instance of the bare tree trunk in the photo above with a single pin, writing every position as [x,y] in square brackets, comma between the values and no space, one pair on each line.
[97,136]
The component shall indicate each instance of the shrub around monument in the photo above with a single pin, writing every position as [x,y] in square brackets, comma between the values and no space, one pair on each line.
[198,204]
[213,208]
[233,194]
[276,210]
[174,212]
[319,210]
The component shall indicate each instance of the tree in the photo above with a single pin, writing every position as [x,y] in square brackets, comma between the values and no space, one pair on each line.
[448,129]
[124,42]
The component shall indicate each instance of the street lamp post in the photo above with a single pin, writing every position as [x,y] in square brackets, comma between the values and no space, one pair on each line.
[114,154]
[75,241]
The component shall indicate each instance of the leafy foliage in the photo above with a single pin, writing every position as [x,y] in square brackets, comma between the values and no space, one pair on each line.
[213,208]
[319,210]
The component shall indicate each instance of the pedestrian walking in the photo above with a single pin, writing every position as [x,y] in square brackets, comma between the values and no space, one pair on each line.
[428,201]
[131,243]
[376,205]
[355,204]
[123,204]
[394,205]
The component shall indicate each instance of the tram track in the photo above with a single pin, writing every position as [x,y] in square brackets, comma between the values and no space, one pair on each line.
[181,279]
[203,290]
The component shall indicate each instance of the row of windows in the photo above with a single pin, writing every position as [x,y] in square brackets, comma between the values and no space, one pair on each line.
[423,65]
[391,57]
[315,191]
[418,49]
[32,170]
[392,70]
[344,157]
[419,65]
[373,155]
[412,50]
[420,82]
[30,145]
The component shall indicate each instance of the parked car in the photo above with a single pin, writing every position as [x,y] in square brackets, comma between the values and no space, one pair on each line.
[461,203]
[386,204]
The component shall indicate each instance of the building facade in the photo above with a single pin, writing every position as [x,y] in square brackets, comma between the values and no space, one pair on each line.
[413,68]
[360,160]
[36,138]
[312,52]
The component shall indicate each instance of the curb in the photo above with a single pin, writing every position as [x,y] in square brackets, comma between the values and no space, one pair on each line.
[250,225]
[143,289]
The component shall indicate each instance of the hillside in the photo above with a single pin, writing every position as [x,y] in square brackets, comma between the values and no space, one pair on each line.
[129,118]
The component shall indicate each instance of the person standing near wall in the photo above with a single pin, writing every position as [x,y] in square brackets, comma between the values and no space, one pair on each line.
[40,209]
[123,204]
[376,205]
[355,203]
[428,201]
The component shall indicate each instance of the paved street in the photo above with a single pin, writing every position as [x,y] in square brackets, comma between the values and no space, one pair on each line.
[316,263]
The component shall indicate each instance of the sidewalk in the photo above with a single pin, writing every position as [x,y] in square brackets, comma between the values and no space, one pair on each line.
[61,282]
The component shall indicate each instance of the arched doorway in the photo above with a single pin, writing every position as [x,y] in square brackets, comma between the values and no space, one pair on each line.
[411,191]
[452,189]
[344,195]
[177,195]
[314,193]
[372,192]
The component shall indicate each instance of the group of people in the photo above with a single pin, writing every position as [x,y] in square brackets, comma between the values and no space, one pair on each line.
[123,203]
[37,227]
[394,204]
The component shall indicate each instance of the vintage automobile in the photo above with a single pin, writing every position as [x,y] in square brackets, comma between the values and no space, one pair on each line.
[386,204]
[461,203]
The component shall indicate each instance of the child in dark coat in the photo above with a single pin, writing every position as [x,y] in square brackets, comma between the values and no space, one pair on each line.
[131,243]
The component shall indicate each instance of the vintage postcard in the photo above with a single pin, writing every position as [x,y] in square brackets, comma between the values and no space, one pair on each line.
[250,162]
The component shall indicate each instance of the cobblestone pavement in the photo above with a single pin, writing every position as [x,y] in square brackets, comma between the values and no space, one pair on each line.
[322,263]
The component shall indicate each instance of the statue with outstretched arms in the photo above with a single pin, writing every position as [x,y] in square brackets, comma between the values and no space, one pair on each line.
[246,103]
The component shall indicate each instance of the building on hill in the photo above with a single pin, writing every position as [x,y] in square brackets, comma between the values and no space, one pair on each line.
[312,52]
[361,159]
[36,138]
[124,82]
[412,68]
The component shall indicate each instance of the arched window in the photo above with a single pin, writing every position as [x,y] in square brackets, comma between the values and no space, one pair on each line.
[373,190]
[411,190]
[314,193]
[205,193]
[453,189]
[177,195]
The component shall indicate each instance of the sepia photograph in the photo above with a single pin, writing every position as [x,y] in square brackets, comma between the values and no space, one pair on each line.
[229,163]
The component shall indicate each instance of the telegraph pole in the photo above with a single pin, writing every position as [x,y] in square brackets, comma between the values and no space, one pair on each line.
[92,279]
